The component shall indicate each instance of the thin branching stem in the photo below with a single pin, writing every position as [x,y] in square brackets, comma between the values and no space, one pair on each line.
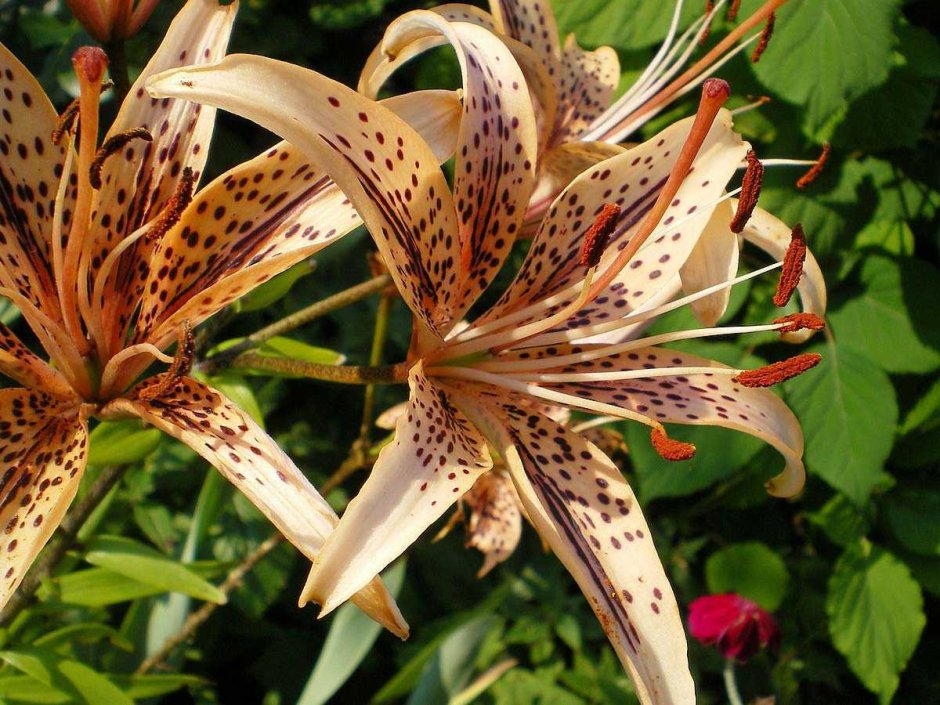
[342,374]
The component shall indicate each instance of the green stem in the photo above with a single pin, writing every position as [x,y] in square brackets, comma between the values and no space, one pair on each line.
[65,538]
[375,359]
[731,684]
[295,320]
[343,374]
[117,68]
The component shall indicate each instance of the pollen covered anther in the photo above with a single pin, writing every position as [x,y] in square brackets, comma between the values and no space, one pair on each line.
[799,321]
[182,363]
[598,235]
[669,448]
[111,146]
[764,38]
[779,371]
[792,269]
[176,204]
[733,10]
[66,121]
[750,192]
[814,171]
[709,8]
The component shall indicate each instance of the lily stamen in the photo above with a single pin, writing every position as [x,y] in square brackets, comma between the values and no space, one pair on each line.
[733,10]
[779,371]
[817,167]
[792,267]
[66,122]
[764,40]
[598,235]
[669,448]
[110,147]
[750,192]
[182,362]
[760,102]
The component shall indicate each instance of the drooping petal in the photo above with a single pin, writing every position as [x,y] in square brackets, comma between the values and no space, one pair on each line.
[435,458]
[496,146]
[494,525]
[773,236]
[230,440]
[631,180]
[581,506]
[30,167]
[702,399]
[713,260]
[43,443]
[388,172]
[19,363]
[138,182]
[587,82]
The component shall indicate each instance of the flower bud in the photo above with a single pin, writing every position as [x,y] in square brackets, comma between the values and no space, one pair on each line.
[737,627]
[109,20]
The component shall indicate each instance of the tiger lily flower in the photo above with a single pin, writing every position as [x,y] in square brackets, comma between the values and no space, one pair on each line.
[109,20]
[111,257]
[580,123]
[603,253]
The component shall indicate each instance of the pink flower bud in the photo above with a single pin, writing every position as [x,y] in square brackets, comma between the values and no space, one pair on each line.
[108,20]
[737,627]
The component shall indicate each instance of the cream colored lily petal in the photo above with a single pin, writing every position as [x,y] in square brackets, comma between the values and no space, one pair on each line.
[388,172]
[713,260]
[581,506]
[710,400]
[138,181]
[586,85]
[232,441]
[631,180]
[20,364]
[435,458]
[434,114]
[29,168]
[494,523]
[44,446]
[248,225]
[773,236]
[497,146]
[531,22]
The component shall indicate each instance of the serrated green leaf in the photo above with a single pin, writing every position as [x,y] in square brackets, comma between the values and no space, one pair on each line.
[892,320]
[121,443]
[752,570]
[146,565]
[848,411]
[826,53]
[876,616]
[348,642]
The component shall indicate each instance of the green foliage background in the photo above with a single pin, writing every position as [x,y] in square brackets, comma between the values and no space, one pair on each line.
[851,568]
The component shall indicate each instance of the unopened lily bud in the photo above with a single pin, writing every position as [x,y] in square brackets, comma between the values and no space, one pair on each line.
[108,20]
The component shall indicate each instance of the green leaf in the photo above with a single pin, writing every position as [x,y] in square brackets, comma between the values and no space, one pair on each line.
[84,632]
[274,289]
[348,642]
[26,689]
[749,569]
[625,24]
[893,320]
[876,616]
[121,443]
[826,53]
[234,386]
[843,522]
[71,677]
[146,565]
[848,411]
[925,414]
[913,517]
[153,686]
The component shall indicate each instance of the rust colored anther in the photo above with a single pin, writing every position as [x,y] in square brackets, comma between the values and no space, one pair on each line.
[779,371]
[792,269]
[709,8]
[598,235]
[814,171]
[669,448]
[112,145]
[750,192]
[90,63]
[764,38]
[66,121]
[182,363]
[175,205]
[799,321]
[733,10]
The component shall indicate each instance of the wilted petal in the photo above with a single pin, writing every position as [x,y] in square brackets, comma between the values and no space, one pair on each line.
[19,363]
[43,443]
[581,506]
[496,147]
[229,439]
[388,172]
[435,458]
[713,260]
[30,166]
[711,400]
[773,236]
[494,525]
